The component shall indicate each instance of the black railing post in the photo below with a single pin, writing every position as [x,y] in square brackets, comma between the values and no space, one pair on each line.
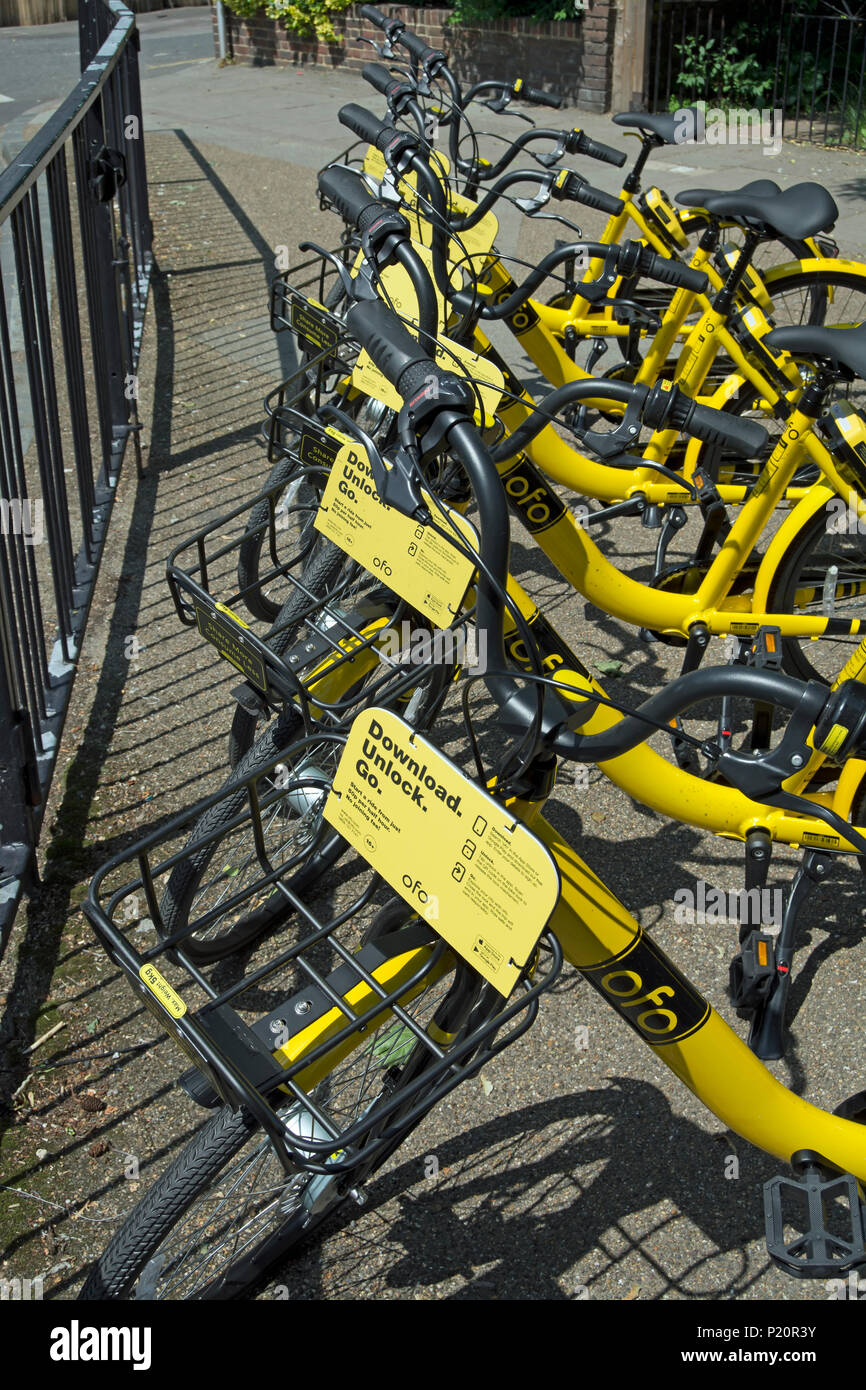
[48,492]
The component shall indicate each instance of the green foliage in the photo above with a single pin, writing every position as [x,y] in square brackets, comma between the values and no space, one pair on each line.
[728,73]
[484,11]
[302,17]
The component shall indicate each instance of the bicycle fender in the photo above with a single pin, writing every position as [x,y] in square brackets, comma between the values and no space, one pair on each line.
[816,498]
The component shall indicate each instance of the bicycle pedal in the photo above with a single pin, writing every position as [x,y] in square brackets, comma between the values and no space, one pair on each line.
[753,972]
[834,1238]
[765,652]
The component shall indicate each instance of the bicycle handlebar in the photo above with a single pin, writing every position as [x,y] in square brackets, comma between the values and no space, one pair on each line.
[367,126]
[381,21]
[385,81]
[594,149]
[420,51]
[349,194]
[536,95]
[422,383]
[575,189]
[382,227]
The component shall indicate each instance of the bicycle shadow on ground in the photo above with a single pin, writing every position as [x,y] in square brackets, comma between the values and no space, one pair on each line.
[551,1202]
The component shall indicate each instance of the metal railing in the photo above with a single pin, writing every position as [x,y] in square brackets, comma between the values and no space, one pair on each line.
[75,259]
[820,79]
[676,26]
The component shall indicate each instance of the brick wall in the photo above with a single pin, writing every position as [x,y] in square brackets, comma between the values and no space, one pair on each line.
[574,58]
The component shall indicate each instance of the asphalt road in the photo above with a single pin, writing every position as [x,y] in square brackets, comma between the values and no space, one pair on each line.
[39,65]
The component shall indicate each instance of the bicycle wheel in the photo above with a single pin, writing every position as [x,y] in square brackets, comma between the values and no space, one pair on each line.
[226,1211]
[293,621]
[290,825]
[295,510]
[824,572]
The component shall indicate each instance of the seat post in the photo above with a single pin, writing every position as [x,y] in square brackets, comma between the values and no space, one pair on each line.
[724,301]
[648,144]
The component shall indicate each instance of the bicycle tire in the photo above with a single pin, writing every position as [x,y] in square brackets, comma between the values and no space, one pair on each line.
[287,625]
[257,601]
[415,704]
[140,1252]
[185,886]
[803,571]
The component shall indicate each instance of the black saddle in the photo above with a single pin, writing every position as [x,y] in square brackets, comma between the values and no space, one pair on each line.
[799,211]
[843,348]
[666,126]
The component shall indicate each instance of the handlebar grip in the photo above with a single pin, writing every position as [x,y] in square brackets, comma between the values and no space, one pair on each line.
[597,198]
[364,124]
[418,48]
[391,346]
[347,192]
[594,149]
[379,77]
[540,98]
[375,16]
[671,272]
[746,437]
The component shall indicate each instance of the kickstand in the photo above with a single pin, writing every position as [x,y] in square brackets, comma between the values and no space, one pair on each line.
[675,520]
[699,638]
[768,1022]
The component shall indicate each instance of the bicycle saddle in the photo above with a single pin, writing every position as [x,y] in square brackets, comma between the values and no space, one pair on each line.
[799,211]
[666,126]
[842,347]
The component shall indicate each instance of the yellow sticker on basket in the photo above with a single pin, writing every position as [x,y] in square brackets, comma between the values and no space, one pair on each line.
[479,877]
[484,376]
[415,562]
[162,990]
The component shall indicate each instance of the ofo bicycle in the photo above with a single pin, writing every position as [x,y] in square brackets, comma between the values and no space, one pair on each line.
[761,978]
[326,1052]
[721,593]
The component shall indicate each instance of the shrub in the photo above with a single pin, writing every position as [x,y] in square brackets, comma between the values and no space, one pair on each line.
[302,17]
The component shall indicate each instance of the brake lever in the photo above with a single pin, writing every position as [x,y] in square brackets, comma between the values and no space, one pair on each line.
[533,205]
[347,280]
[352,428]
[552,156]
[556,217]
[630,311]
[384,50]
[611,442]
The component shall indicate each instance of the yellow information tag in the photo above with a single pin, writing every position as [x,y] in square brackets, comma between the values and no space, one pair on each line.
[162,990]
[476,241]
[480,878]
[486,378]
[399,292]
[374,165]
[415,562]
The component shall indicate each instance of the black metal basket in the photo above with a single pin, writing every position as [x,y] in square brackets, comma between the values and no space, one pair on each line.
[349,639]
[322,992]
